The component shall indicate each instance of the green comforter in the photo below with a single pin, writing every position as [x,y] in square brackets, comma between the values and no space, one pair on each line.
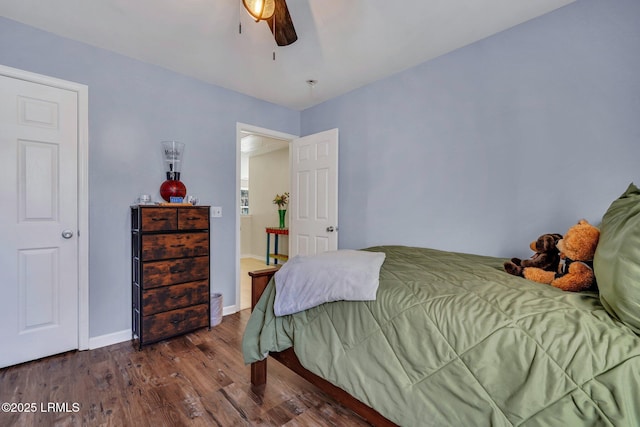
[453,340]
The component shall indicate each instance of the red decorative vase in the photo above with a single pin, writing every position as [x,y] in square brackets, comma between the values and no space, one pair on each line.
[172,188]
[172,153]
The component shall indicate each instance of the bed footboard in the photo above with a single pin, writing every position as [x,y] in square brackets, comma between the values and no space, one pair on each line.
[259,281]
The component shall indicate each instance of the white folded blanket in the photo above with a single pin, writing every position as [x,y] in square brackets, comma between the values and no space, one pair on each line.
[307,281]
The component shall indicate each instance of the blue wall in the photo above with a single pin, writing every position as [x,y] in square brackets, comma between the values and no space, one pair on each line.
[485,148]
[132,107]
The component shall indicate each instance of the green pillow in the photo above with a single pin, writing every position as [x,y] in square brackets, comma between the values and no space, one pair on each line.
[617,259]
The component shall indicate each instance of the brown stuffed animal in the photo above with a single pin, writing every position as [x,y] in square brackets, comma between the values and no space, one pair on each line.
[577,248]
[546,257]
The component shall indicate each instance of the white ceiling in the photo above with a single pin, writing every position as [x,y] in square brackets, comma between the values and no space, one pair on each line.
[256,145]
[343,44]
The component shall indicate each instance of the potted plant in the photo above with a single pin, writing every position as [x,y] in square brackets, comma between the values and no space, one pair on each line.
[281,200]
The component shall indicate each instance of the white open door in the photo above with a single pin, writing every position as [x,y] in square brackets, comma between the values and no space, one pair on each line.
[313,220]
[39,220]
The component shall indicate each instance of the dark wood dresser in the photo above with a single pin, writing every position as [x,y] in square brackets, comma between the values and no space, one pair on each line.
[169,271]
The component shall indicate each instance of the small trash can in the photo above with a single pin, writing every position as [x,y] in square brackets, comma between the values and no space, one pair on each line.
[216,309]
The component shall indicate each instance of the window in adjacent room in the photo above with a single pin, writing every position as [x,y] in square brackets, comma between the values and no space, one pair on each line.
[244,201]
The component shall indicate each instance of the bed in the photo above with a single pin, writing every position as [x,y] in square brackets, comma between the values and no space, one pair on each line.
[451,339]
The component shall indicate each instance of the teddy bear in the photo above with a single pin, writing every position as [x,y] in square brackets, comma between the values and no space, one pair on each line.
[546,256]
[575,272]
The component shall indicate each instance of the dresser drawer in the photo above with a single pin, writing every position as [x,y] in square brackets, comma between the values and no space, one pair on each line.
[177,296]
[163,246]
[159,219]
[170,272]
[174,322]
[193,219]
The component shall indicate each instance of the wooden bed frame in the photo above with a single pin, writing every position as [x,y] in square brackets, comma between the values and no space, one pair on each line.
[259,281]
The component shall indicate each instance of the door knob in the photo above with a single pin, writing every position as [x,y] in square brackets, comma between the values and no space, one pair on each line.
[67,234]
[331,228]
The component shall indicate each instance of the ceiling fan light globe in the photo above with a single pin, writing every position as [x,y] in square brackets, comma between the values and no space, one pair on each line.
[260,9]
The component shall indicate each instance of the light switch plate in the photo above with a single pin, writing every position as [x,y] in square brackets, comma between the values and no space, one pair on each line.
[216,211]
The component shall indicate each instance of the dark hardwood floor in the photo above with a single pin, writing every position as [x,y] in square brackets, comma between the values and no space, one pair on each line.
[195,380]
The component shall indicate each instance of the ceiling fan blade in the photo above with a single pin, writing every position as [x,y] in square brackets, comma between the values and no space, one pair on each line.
[284,32]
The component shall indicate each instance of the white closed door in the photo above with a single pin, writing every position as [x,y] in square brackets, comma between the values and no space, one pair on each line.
[38,220]
[313,220]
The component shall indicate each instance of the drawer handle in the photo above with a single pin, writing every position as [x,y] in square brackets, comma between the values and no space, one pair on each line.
[177,271]
[192,218]
[175,322]
[159,219]
[178,296]
[178,246]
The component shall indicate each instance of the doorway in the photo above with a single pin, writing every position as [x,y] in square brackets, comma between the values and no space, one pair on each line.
[262,168]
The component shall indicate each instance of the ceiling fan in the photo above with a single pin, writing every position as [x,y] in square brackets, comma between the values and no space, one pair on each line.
[276,13]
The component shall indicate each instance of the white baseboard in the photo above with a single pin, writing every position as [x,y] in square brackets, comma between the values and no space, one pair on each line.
[258,257]
[230,309]
[109,339]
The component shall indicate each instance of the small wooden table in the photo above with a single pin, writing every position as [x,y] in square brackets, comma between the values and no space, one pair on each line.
[275,255]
